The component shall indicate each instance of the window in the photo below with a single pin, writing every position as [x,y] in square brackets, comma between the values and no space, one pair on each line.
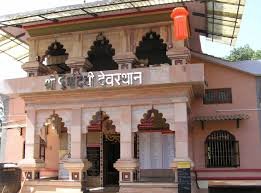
[55,58]
[217,96]
[152,50]
[221,150]
[101,55]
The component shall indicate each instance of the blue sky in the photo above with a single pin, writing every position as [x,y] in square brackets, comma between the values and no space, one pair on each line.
[250,31]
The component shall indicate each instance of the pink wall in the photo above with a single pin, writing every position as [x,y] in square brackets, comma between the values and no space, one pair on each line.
[14,145]
[16,109]
[243,97]
[14,142]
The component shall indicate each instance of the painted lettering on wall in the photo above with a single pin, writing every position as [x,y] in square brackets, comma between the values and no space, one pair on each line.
[90,79]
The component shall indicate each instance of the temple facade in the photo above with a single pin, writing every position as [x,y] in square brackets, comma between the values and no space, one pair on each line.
[118,101]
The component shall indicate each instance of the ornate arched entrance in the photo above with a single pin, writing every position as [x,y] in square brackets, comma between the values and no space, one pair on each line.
[109,149]
[156,148]
[54,147]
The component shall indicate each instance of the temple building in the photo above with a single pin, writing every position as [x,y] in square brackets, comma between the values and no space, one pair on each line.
[119,93]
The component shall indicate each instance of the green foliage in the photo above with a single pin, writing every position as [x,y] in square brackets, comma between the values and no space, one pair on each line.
[244,53]
[257,55]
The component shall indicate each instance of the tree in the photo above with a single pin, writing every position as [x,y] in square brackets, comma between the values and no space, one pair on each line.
[257,55]
[244,53]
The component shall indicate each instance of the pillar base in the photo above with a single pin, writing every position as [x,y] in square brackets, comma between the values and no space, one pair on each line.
[179,56]
[126,169]
[174,164]
[125,60]
[77,168]
[79,64]
[35,68]
[31,168]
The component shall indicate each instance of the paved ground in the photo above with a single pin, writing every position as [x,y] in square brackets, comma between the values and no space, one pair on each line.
[107,190]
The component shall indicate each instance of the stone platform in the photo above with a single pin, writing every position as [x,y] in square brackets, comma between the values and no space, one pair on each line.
[148,187]
[51,186]
[61,186]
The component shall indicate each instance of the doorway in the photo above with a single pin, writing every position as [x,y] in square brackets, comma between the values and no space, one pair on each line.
[111,153]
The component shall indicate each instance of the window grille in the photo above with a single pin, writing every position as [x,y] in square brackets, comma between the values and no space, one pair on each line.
[217,96]
[221,150]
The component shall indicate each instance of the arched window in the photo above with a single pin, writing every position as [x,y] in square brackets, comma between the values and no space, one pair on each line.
[101,55]
[55,58]
[152,50]
[221,150]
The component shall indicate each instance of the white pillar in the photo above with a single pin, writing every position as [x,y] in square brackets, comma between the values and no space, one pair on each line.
[76,134]
[181,135]
[126,165]
[31,163]
[77,164]
[181,130]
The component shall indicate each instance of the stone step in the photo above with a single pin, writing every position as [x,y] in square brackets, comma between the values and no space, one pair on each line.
[59,186]
[52,186]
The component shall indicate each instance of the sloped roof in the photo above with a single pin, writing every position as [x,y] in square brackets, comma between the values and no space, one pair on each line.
[221,117]
[223,17]
[252,67]
[13,46]
[87,9]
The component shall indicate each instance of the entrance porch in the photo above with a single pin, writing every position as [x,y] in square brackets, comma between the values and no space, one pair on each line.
[126,146]
[145,126]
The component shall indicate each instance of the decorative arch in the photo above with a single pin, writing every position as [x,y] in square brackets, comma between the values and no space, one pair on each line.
[55,57]
[54,132]
[153,120]
[101,55]
[101,123]
[221,149]
[53,122]
[152,50]
[220,135]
